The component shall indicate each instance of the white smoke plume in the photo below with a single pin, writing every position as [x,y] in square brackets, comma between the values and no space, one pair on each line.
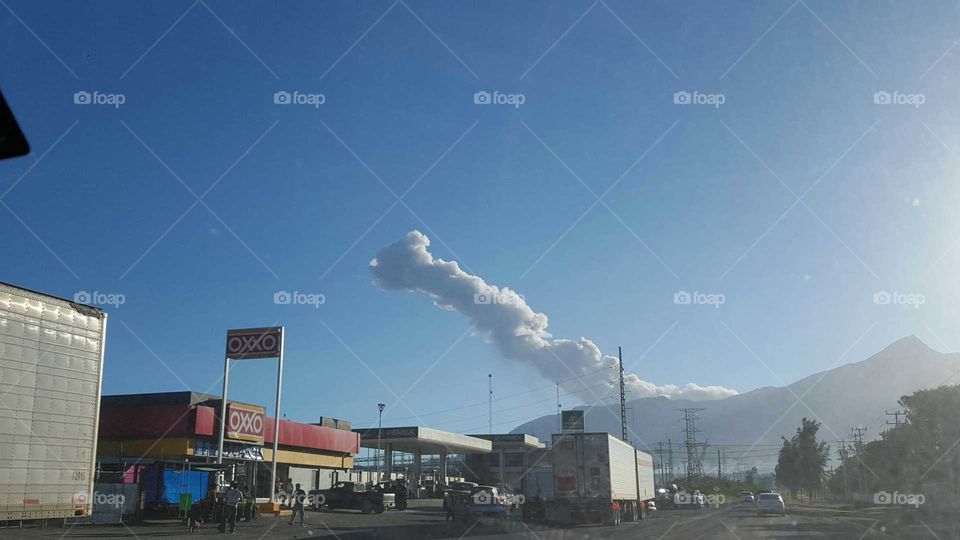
[518,332]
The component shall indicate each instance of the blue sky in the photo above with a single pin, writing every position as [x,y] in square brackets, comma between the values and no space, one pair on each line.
[297,201]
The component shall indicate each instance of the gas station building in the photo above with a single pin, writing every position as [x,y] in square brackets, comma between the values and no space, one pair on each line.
[498,459]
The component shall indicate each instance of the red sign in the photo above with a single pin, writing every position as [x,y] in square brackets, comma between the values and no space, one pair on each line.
[254,342]
[245,422]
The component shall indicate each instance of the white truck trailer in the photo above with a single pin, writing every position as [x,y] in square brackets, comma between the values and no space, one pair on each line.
[51,368]
[598,478]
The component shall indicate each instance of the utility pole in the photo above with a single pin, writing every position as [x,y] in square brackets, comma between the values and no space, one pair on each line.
[843,462]
[670,460]
[623,401]
[559,422]
[719,466]
[896,417]
[490,403]
[694,457]
[857,434]
[663,472]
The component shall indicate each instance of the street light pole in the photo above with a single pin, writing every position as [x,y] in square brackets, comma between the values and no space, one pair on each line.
[380,406]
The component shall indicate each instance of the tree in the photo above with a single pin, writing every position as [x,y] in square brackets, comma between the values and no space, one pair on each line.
[803,460]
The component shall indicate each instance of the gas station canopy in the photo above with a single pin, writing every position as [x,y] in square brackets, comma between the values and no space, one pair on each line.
[423,440]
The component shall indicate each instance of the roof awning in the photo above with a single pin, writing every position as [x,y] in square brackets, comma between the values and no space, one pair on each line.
[426,440]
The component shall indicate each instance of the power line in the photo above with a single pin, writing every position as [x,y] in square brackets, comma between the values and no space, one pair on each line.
[508,396]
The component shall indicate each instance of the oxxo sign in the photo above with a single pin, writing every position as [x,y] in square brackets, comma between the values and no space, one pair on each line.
[245,422]
[253,343]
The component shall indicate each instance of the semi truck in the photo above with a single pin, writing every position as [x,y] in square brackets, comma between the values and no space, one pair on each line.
[51,369]
[598,478]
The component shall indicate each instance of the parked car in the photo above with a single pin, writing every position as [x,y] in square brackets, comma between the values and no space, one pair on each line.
[747,497]
[771,503]
[650,505]
[353,496]
[395,488]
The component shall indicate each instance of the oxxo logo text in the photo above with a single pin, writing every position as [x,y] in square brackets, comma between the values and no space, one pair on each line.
[83,97]
[97,298]
[244,422]
[497,297]
[483,97]
[906,499]
[897,298]
[297,298]
[899,98]
[684,298]
[253,343]
[698,98]
[283,97]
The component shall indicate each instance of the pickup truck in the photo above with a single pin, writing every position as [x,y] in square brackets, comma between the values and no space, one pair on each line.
[352,496]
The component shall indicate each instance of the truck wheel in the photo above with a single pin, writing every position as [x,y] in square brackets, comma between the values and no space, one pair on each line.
[401,505]
[366,507]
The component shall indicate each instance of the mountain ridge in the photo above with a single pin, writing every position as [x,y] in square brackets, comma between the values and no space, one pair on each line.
[857,393]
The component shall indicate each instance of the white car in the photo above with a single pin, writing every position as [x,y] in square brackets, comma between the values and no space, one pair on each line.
[771,503]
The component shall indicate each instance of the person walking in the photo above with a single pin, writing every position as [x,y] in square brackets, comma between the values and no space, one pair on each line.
[231,499]
[299,496]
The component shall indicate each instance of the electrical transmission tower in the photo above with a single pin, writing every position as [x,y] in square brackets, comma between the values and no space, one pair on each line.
[694,454]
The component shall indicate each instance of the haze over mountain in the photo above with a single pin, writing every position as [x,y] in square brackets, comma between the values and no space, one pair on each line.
[853,394]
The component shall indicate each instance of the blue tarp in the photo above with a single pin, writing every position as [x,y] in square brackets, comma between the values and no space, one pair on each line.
[162,485]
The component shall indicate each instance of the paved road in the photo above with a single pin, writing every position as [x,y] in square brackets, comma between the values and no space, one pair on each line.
[425,520]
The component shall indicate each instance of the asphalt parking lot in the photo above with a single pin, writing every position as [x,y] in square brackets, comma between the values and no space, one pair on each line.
[426,520]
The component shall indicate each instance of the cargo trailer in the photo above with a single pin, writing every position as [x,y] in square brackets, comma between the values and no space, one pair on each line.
[51,369]
[598,478]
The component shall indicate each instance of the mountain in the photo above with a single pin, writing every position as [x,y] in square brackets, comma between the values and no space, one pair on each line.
[840,398]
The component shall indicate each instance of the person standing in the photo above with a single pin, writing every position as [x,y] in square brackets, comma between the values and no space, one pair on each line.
[299,496]
[288,489]
[231,499]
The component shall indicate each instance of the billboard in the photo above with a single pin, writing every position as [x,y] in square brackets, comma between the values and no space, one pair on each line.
[254,343]
[245,422]
[572,421]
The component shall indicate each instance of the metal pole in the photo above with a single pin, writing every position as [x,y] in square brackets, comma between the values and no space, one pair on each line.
[276,422]
[623,402]
[380,406]
[223,407]
[490,402]
[559,422]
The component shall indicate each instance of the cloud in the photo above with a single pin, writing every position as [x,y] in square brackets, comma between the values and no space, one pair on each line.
[518,332]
